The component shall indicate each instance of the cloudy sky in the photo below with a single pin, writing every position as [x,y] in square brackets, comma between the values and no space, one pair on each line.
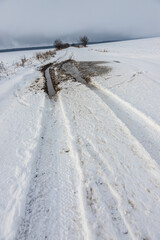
[39,22]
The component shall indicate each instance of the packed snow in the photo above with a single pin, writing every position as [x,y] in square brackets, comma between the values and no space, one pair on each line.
[85,163]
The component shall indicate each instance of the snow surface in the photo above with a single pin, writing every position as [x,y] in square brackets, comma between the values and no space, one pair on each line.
[86,163]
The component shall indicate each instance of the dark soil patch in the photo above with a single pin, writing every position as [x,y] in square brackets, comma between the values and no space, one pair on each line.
[42,69]
[74,71]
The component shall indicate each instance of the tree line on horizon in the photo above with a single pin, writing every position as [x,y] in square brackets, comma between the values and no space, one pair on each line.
[83,40]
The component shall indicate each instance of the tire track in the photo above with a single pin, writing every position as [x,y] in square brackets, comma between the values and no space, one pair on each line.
[95,195]
[75,158]
[127,105]
[134,120]
[34,224]
[129,161]
[101,196]
[81,181]
[52,202]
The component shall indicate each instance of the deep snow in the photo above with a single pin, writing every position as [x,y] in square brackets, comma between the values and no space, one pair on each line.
[86,163]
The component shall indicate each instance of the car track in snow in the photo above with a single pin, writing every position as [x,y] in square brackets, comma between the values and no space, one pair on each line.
[52,204]
[140,159]
[97,197]
[133,119]
[77,189]
[120,193]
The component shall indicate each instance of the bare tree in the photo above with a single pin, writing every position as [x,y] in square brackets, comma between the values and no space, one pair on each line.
[84,40]
[58,44]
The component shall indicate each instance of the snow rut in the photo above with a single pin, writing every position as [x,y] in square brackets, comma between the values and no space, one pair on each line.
[52,208]
[133,119]
[75,158]
[35,223]
[94,177]
[102,211]
[118,172]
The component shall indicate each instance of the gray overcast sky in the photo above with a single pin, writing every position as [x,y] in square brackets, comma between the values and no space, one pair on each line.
[41,21]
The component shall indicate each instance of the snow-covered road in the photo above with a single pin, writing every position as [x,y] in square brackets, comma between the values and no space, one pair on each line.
[84,164]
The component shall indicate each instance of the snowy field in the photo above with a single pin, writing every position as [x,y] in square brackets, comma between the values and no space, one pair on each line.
[84,164]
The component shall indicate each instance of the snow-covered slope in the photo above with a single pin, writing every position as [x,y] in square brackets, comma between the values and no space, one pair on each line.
[86,163]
